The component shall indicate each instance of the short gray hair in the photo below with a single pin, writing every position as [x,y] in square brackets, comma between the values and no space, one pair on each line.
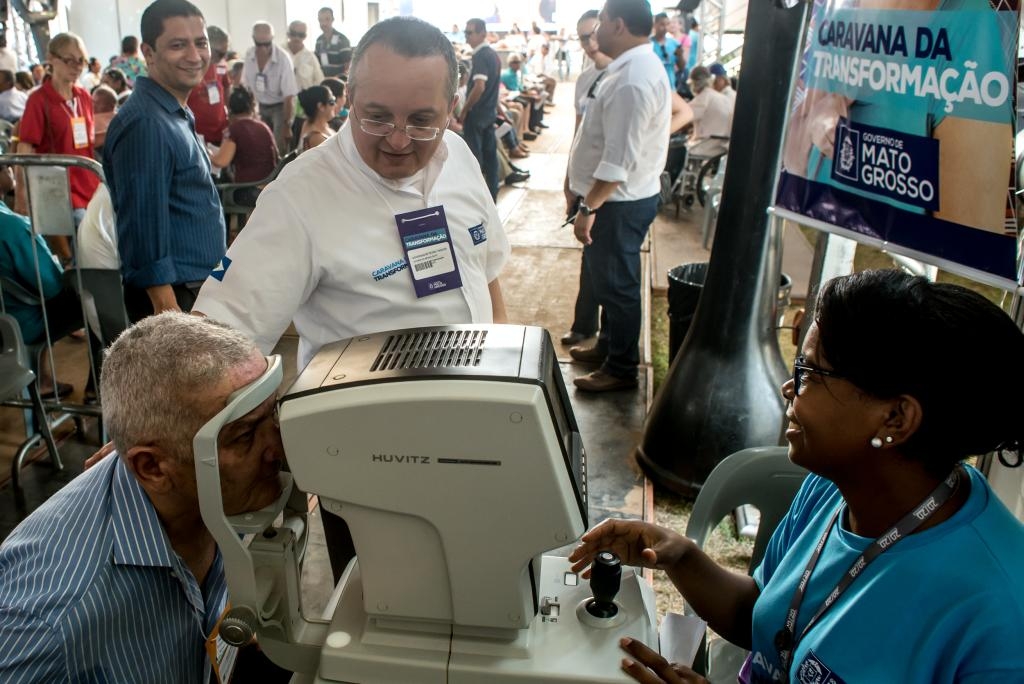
[409,37]
[700,77]
[154,372]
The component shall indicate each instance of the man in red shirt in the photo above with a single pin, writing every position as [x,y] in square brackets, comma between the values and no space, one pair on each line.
[208,100]
[58,119]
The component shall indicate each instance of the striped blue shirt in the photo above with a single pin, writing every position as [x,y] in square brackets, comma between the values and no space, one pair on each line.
[170,225]
[91,591]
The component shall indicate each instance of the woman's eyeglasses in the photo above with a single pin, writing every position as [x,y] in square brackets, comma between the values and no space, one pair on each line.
[802,369]
[73,61]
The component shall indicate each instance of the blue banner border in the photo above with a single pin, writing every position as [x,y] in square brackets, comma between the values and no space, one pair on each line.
[978,249]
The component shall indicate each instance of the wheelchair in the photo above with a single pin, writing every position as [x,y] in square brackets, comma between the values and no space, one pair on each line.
[701,159]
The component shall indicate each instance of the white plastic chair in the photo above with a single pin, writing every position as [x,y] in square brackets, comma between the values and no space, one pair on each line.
[765,478]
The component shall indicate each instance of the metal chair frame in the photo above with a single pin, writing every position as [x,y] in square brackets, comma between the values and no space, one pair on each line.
[765,478]
[46,202]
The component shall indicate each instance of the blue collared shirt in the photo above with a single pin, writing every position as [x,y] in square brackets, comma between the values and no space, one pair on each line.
[170,225]
[91,591]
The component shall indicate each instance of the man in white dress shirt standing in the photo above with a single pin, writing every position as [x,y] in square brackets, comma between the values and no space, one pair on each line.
[268,72]
[614,166]
[307,67]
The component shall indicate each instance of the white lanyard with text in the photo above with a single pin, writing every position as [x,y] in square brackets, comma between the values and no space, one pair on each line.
[785,639]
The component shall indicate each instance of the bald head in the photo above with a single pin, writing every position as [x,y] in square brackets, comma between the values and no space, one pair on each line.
[262,34]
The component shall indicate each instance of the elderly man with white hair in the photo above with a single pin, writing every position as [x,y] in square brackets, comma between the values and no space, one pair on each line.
[115,577]
[712,111]
[307,68]
[269,73]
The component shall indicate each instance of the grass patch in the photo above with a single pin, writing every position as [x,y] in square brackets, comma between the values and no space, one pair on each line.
[673,511]
[659,338]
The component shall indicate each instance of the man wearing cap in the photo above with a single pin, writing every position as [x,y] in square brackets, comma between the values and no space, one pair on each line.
[722,83]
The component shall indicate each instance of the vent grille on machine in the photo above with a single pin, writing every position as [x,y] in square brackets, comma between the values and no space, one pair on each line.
[437,349]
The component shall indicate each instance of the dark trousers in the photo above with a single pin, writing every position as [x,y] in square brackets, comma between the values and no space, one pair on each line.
[138,306]
[585,314]
[479,136]
[612,263]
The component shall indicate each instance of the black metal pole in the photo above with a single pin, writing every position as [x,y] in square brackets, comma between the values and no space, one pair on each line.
[722,391]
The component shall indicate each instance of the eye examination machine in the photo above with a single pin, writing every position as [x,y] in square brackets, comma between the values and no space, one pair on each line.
[454,457]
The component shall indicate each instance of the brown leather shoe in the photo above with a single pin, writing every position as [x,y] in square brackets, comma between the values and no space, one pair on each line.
[599,381]
[589,354]
[573,338]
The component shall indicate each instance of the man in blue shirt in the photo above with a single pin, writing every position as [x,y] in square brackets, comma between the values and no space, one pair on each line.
[170,224]
[668,49]
[116,578]
[481,108]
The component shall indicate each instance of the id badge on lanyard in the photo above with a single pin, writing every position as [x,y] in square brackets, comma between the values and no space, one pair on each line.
[261,83]
[79,129]
[213,92]
[429,251]
[79,132]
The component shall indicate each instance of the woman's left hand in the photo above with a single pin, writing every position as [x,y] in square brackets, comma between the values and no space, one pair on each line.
[648,667]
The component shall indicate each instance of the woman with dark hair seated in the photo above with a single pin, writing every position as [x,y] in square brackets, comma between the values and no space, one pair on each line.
[896,561]
[248,145]
[337,88]
[115,79]
[319,105]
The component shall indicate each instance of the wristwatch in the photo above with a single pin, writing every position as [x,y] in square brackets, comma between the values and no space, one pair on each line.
[585,210]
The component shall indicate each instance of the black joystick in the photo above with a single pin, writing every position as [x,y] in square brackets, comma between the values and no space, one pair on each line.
[605,577]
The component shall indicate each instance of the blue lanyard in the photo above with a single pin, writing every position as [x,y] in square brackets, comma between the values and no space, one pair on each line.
[785,639]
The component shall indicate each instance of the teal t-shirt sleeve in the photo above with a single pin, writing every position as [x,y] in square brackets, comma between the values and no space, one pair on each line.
[509,79]
[24,261]
[51,273]
[804,505]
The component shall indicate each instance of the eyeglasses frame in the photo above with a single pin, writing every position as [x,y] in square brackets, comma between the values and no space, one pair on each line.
[800,366]
[405,129]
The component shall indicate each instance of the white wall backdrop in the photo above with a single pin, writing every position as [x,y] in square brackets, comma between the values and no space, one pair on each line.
[102,23]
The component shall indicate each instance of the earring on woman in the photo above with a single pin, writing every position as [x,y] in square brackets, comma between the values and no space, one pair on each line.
[876,442]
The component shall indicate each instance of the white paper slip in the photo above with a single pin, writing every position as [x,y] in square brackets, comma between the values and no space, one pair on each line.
[679,637]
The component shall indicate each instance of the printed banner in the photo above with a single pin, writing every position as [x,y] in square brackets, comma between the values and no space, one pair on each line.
[902,128]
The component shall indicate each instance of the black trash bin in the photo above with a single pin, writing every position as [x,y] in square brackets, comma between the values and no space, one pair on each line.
[685,283]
